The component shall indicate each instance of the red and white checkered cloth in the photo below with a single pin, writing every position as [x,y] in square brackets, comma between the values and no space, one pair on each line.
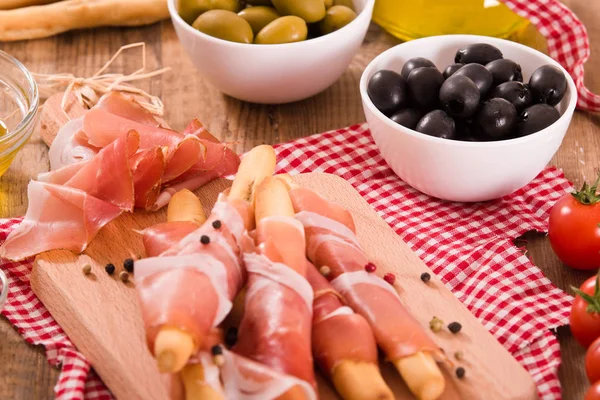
[468,245]
[567,40]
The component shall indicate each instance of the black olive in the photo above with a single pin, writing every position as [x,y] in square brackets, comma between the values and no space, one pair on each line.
[548,85]
[387,90]
[479,75]
[459,96]
[424,87]
[480,53]
[451,69]
[505,70]
[497,119]
[536,118]
[515,92]
[437,123]
[414,63]
[409,117]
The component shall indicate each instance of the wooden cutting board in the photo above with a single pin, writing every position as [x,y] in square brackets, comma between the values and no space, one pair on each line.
[100,314]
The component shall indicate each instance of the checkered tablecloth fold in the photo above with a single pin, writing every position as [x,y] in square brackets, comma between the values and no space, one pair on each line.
[567,41]
[469,246]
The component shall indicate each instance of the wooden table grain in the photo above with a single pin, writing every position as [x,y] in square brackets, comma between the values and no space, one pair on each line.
[24,371]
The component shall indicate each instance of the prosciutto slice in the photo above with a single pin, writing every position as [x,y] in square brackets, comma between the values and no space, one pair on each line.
[338,334]
[331,242]
[119,154]
[58,217]
[191,285]
[276,327]
[161,237]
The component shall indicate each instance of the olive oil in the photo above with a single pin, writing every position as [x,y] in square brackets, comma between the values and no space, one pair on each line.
[412,19]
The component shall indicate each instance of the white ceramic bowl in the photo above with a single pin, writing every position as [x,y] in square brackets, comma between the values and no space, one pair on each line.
[274,74]
[463,171]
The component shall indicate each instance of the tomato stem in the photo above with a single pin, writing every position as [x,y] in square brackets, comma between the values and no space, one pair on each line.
[592,300]
[587,195]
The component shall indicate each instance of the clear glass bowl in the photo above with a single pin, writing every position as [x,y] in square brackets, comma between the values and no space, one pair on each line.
[19,102]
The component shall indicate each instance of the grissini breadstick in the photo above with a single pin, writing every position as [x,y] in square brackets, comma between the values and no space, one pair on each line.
[11,4]
[51,19]
[275,328]
[331,241]
[174,328]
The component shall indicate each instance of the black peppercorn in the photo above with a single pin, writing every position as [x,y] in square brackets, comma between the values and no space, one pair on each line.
[216,350]
[110,269]
[204,239]
[216,224]
[454,327]
[425,277]
[460,372]
[128,265]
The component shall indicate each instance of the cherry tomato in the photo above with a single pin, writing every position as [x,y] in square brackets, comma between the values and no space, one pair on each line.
[593,392]
[574,229]
[585,312]
[592,362]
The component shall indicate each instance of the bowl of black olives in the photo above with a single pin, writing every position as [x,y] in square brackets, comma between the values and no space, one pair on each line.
[271,51]
[467,118]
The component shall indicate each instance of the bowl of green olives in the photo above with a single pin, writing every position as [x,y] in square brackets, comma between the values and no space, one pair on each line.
[467,118]
[271,51]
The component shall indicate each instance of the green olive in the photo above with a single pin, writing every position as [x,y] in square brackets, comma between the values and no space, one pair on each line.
[259,2]
[259,17]
[283,30]
[328,3]
[308,10]
[336,18]
[191,9]
[347,3]
[225,25]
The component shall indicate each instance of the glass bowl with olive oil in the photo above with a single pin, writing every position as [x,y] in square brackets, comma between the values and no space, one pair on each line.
[19,102]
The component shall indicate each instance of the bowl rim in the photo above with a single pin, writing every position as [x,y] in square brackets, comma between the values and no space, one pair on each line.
[369,4]
[571,88]
[34,101]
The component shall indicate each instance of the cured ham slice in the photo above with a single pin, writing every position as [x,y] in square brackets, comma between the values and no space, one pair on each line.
[161,237]
[108,176]
[195,274]
[70,146]
[276,326]
[331,242]
[148,169]
[58,217]
[338,333]
[244,379]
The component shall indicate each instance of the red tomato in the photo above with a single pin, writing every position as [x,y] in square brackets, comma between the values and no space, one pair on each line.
[574,229]
[585,317]
[592,362]
[593,392]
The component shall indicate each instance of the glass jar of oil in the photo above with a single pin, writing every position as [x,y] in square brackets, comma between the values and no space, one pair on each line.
[412,19]
[19,101]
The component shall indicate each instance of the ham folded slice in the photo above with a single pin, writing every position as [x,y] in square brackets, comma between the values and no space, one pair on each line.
[119,154]
[191,285]
[276,327]
[161,237]
[338,334]
[331,242]
[58,217]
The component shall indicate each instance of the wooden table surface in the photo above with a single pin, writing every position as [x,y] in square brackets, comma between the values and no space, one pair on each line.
[24,370]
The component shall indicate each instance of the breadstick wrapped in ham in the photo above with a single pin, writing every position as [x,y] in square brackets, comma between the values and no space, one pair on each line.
[187,290]
[276,327]
[343,344]
[332,243]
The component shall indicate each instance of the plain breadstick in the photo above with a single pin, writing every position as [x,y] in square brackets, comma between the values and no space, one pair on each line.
[48,20]
[10,4]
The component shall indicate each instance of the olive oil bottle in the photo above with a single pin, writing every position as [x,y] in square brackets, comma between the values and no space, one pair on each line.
[412,19]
